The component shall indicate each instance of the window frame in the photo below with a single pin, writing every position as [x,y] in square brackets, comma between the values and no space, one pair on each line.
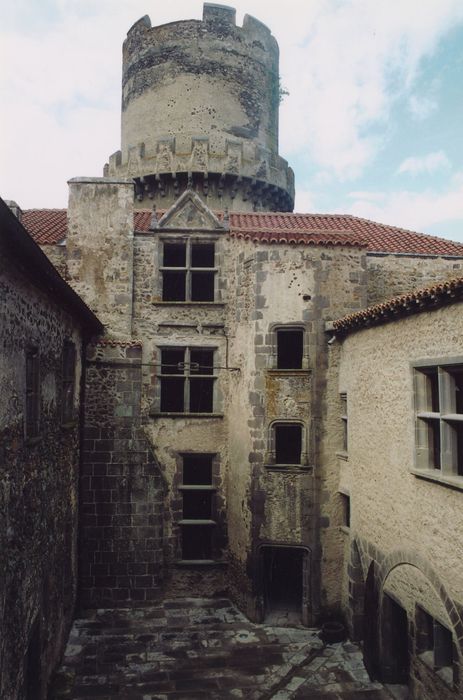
[32,394]
[438,429]
[271,461]
[282,327]
[187,377]
[186,524]
[188,269]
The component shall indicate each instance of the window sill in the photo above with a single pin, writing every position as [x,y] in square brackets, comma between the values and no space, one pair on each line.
[164,414]
[200,562]
[188,303]
[188,521]
[342,455]
[291,468]
[455,482]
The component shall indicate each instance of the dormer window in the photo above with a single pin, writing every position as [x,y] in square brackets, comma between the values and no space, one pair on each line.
[188,271]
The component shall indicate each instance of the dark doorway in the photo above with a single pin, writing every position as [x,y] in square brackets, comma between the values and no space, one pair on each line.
[395,657]
[282,574]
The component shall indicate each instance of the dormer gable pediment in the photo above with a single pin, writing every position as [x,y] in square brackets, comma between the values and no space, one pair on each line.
[190,213]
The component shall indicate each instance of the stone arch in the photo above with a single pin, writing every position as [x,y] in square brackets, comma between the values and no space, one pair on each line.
[414,559]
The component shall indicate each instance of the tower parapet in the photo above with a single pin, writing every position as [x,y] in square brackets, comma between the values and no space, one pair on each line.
[200,105]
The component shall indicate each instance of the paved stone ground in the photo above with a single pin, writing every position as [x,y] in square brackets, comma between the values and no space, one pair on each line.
[196,648]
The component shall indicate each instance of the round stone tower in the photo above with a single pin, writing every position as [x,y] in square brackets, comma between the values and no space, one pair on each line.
[200,110]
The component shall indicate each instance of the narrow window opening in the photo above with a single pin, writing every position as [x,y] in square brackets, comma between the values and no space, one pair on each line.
[344,421]
[432,389]
[32,666]
[290,348]
[288,444]
[345,501]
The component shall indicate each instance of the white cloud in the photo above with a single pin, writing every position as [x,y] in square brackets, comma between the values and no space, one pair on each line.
[418,211]
[427,164]
[357,59]
[421,107]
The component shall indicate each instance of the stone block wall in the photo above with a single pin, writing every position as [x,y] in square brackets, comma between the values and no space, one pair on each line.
[38,487]
[121,490]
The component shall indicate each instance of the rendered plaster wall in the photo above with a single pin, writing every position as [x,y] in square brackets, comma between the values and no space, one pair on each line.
[397,516]
[189,324]
[391,275]
[38,487]
[100,248]
[270,505]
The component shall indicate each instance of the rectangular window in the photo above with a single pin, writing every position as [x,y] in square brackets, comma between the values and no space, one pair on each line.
[198,495]
[290,348]
[345,502]
[68,381]
[188,271]
[187,380]
[32,416]
[439,419]
[343,398]
[288,443]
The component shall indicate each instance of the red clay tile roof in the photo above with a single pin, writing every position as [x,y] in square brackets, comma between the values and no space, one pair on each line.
[48,226]
[404,305]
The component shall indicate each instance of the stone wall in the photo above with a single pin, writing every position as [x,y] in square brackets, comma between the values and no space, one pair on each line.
[38,486]
[121,488]
[391,275]
[401,521]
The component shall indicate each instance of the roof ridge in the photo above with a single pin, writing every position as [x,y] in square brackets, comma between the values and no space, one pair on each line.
[411,302]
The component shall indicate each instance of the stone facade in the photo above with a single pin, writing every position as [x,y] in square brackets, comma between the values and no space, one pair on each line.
[39,460]
[403,539]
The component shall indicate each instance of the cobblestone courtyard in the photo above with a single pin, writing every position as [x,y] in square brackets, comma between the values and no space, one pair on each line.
[196,648]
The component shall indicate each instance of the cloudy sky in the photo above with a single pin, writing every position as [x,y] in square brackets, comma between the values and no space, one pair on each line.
[372,124]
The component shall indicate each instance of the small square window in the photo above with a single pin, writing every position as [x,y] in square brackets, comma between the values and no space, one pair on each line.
[188,272]
[187,380]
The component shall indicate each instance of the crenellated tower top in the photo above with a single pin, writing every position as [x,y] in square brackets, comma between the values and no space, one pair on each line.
[200,105]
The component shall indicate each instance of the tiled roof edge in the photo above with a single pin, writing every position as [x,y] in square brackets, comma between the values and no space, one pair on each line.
[406,304]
